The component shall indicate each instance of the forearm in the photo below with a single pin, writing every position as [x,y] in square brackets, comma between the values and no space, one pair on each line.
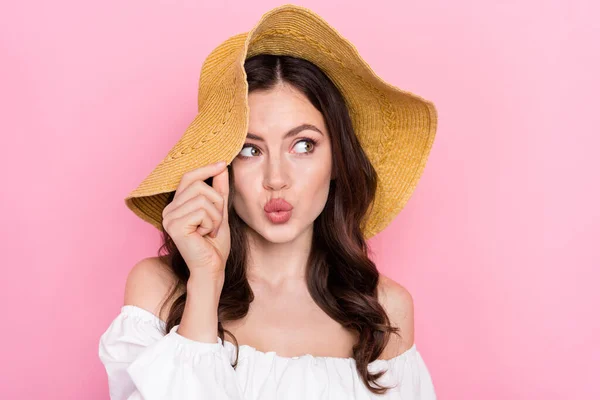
[199,321]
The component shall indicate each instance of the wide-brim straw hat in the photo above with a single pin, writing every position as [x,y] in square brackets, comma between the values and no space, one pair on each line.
[396,128]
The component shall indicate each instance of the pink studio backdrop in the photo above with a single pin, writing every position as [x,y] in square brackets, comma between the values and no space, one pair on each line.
[498,245]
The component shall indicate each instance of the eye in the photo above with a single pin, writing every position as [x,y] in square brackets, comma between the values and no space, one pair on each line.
[253,150]
[310,144]
[249,146]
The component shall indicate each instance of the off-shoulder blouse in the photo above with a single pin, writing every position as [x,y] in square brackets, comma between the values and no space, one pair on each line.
[142,362]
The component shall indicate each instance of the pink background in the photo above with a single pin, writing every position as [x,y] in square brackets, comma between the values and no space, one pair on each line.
[498,246]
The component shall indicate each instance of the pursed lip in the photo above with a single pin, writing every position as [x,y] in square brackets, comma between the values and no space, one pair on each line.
[277,204]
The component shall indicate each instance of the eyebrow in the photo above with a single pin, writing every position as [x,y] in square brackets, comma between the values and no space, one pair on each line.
[290,133]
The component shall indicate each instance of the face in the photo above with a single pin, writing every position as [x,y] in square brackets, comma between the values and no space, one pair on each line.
[271,164]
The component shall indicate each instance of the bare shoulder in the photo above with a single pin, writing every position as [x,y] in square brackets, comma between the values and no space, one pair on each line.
[148,285]
[398,303]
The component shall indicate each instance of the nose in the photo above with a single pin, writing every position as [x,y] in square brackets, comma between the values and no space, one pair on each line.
[275,175]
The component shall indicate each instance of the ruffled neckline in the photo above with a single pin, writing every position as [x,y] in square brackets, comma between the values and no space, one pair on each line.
[246,350]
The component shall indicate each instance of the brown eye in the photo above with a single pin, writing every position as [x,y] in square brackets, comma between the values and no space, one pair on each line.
[309,146]
[253,151]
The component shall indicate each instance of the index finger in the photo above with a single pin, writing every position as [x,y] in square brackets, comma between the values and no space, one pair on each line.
[221,184]
[204,172]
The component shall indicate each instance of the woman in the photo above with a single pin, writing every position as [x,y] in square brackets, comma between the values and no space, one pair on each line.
[271,252]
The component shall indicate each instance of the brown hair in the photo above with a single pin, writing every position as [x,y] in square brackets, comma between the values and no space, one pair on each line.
[341,278]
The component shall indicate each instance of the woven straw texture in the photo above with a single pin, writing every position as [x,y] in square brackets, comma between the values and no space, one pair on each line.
[396,128]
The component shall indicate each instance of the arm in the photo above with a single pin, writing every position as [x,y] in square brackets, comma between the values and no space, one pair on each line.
[144,363]
[199,321]
[399,306]
[406,367]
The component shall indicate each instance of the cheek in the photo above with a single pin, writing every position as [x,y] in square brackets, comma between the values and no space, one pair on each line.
[315,190]
[246,193]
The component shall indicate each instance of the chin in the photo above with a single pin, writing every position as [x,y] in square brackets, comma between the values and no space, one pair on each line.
[278,233]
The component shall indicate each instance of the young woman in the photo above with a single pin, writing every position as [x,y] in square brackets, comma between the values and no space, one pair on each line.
[263,287]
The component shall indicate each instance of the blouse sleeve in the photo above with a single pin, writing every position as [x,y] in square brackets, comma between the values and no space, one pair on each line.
[408,376]
[144,363]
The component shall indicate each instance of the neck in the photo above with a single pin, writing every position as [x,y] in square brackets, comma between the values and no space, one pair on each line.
[278,263]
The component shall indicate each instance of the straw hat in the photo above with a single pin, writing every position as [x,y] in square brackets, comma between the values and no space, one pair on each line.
[396,128]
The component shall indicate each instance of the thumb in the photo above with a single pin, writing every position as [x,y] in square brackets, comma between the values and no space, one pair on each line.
[221,185]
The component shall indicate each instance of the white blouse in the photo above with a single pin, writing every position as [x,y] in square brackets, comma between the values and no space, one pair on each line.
[144,363]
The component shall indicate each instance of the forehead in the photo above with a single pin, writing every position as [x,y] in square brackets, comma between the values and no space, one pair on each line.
[277,110]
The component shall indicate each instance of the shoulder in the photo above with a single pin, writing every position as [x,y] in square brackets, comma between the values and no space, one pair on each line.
[148,285]
[398,303]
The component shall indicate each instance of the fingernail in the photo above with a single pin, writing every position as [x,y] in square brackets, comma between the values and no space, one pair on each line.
[220,164]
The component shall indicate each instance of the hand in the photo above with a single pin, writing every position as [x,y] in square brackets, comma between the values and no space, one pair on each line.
[198,221]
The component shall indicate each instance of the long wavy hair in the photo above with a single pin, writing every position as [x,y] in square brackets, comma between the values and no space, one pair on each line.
[341,278]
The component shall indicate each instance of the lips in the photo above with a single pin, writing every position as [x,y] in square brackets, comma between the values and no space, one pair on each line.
[277,204]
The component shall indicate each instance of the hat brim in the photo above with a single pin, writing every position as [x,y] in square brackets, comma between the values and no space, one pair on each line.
[395,127]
